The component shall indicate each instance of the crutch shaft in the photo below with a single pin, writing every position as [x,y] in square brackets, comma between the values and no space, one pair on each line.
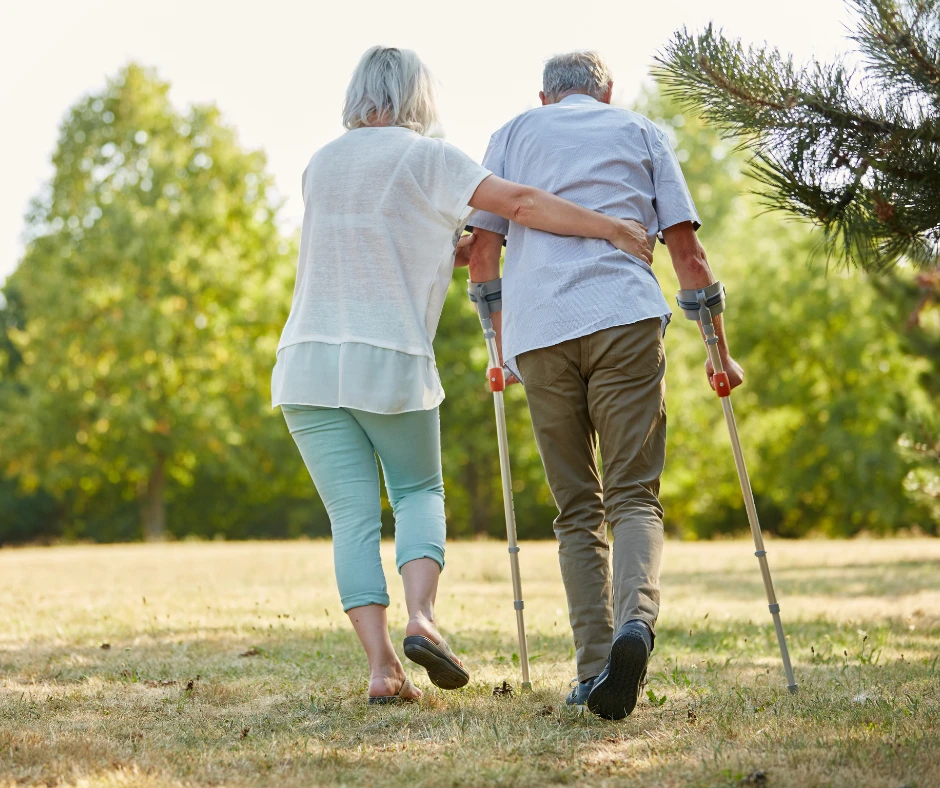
[518,602]
[704,304]
[752,519]
[506,478]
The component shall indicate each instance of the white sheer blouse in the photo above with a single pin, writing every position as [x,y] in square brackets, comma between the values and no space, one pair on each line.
[383,208]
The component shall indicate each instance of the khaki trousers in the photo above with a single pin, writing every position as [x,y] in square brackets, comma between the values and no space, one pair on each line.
[607,387]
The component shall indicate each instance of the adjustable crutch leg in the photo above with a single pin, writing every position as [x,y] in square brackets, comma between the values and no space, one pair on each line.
[487,298]
[703,306]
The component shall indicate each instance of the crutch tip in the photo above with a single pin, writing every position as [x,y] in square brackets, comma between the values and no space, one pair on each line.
[794,688]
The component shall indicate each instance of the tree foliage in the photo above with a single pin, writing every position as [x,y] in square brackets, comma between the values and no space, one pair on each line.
[828,387]
[468,441]
[858,154]
[153,285]
[143,322]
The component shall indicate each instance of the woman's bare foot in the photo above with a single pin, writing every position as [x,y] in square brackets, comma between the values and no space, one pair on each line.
[388,682]
[422,625]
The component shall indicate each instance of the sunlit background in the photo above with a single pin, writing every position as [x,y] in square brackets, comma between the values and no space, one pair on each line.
[278,69]
[143,298]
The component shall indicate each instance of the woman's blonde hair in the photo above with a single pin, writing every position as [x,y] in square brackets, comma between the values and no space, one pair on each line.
[390,87]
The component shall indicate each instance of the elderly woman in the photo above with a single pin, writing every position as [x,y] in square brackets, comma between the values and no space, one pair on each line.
[355,374]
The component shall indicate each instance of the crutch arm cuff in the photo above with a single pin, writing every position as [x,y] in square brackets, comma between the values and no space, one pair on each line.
[712,298]
[487,297]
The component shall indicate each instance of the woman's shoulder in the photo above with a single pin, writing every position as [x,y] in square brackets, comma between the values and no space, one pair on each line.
[332,149]
[438,152]
[337,146]
[369,147]
[426,146]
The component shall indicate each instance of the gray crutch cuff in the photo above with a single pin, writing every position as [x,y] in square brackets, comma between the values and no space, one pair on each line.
[711,298]
[486,296]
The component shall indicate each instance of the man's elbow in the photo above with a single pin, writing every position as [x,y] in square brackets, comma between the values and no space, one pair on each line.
[690,257]
[695,263]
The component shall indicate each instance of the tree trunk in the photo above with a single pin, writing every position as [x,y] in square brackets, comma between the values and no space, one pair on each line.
[153,510]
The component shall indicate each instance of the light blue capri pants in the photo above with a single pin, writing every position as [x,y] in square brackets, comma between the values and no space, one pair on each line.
[339,446]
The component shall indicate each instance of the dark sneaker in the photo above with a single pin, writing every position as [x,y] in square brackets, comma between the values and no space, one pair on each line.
[615,691]
[580,691]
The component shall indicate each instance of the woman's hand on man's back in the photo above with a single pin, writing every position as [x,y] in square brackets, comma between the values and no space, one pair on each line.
[631,238]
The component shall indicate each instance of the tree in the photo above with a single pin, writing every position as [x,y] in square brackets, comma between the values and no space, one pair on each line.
[105,360]
[150,296]
[829,390]
[857,155]
[860,157]
[821,432]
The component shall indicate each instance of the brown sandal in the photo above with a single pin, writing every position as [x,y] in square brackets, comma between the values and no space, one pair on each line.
[439,661]
[384,700]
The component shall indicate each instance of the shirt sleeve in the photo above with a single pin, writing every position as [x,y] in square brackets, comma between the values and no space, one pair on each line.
[493,160]
[673,200]
[462,175]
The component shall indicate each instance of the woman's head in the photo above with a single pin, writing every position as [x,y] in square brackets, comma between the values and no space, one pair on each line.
[390,87]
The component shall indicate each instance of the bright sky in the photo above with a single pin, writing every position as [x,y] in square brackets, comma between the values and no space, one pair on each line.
[278,69]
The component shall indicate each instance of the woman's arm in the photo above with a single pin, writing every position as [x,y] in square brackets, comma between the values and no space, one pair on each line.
[540,210]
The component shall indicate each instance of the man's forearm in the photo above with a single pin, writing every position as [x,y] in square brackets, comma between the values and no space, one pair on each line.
[484,256]
[695,277]
[692,270]
[484,267]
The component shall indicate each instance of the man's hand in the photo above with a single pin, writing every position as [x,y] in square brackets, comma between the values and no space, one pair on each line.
[732,367]
[462,254]
[630,237]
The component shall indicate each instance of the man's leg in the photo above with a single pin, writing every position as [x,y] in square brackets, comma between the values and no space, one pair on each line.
[626,396]
[557,395]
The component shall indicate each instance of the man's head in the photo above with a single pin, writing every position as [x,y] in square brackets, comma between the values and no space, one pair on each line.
[576,72]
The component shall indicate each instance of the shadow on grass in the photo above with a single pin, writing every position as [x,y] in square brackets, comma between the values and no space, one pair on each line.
[329,660]
[323,656]
[292,709]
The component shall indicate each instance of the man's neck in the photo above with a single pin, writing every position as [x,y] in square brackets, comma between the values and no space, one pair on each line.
[574,93]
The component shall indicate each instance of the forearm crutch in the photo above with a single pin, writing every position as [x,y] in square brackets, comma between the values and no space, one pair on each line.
[704,306]
[487,298]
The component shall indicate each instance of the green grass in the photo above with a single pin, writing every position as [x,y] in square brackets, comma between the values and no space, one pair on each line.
[174,700]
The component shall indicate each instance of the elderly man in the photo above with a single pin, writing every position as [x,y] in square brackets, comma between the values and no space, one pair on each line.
[582,327]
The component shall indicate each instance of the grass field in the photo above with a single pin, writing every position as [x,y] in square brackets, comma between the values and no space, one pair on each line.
[233,664]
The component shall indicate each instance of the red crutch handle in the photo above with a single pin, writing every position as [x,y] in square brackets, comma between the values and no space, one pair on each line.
[497,379]
[722,384]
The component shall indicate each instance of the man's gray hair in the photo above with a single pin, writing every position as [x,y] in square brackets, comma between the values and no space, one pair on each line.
[575,72]
[390,87]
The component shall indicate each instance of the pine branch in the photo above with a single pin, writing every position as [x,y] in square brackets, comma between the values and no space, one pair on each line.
[901,43]
[853,155]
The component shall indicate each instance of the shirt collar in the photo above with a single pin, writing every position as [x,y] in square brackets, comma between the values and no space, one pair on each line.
[579,98]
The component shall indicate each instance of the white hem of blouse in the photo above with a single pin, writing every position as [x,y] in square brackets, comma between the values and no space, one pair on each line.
[355,375]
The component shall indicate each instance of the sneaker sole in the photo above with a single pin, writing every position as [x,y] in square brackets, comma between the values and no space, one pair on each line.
[615,696]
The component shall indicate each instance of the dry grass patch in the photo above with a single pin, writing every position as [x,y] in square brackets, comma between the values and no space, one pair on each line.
[232,664]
